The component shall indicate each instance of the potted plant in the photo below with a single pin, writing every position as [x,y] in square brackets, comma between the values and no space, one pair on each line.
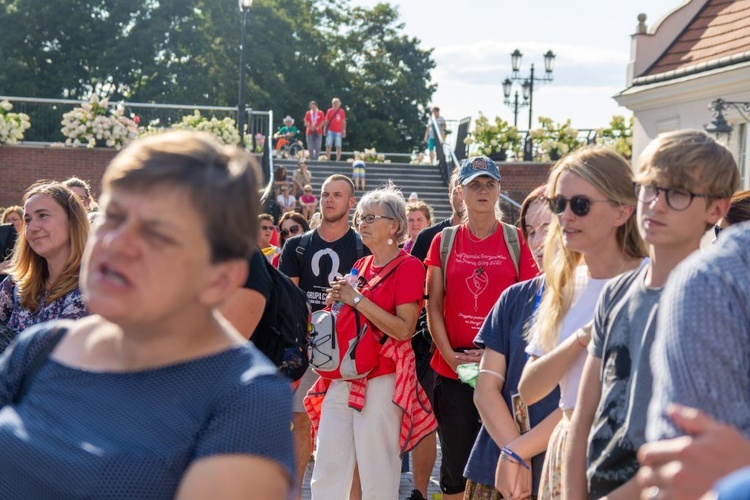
[95,124]
[12,125]
[554,140]
[619,135]
[494,139]
[225,129]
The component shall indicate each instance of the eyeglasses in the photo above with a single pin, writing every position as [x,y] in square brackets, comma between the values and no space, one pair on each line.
[580,205]
[292,230]
[267,228]
[370,218]
[677,199]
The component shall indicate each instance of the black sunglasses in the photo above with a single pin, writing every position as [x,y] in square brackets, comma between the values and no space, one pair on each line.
[292,230]
[580,205]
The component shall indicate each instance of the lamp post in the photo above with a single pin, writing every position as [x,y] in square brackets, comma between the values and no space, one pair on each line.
[527,89]
[514,104]
[244,7]
[719,125]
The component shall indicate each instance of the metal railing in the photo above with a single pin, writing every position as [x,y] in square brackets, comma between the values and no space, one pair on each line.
[46,115]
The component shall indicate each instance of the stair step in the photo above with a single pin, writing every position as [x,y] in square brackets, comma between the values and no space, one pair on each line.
[425,180]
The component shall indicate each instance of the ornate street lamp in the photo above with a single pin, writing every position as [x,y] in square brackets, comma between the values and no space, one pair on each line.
[244,7]
[527,87]
[719,125]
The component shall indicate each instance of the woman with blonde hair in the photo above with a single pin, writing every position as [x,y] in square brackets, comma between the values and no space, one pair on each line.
[42,282]
[592,239]
[13,215]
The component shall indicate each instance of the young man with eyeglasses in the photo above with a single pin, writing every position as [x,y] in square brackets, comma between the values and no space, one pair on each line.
[683,186]
[312,260]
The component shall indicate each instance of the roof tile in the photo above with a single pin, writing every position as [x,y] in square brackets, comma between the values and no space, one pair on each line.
[720,29]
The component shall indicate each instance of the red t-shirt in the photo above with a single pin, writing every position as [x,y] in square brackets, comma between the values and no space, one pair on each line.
[336,120]
[315,120]
[405,285]
[477,273]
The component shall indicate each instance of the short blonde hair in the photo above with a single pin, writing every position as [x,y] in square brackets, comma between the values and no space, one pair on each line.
[690,160]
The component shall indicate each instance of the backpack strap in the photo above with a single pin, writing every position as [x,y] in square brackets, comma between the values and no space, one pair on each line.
[514,246]
[360,245]
[304,242]
[37,362]
[447,237]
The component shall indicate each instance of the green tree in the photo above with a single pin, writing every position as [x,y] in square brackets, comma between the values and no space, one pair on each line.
[175,51]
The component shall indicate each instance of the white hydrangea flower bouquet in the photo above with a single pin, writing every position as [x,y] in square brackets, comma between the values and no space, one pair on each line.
[12,125]
[225,129]
[94,124]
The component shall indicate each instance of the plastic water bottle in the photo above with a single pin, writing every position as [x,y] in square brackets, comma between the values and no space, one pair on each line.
[353,280]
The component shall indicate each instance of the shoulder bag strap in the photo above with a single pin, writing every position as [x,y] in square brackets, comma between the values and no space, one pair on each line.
[38,362]
[446,244]
[385,272]
[514,247]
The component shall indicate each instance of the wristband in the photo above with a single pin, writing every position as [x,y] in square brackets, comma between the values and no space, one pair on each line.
[515,456]
[494,374]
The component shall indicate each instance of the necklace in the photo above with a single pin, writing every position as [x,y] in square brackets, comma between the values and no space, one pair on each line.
[470,233]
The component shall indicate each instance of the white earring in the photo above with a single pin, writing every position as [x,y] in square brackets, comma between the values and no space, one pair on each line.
[390,241]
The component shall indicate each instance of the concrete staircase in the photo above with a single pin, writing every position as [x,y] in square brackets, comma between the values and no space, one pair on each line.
[423,179]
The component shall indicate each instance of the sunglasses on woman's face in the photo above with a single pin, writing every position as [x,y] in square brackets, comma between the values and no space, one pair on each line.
[292,230]
[580,205]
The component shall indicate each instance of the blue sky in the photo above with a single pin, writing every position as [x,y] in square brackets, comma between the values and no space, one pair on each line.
[473,40]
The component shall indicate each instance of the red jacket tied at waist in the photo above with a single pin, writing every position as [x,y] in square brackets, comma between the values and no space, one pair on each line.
[417,419]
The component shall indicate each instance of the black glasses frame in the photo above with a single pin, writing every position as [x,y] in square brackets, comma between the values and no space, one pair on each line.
[668,192]
[370,219]
[580,205]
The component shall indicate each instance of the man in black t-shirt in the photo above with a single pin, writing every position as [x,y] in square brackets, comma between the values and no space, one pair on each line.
[312,263]
[246,305]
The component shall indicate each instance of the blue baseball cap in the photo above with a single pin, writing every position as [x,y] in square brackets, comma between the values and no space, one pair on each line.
[473,167]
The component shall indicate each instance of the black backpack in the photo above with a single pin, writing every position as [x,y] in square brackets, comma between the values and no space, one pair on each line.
[283,333]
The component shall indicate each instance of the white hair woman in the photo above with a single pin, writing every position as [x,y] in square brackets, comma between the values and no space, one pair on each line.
[373,420]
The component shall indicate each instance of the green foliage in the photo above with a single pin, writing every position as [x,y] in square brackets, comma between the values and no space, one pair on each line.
[619,135]
[173,51]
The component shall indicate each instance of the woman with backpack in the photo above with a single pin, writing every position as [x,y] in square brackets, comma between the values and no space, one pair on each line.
[479,262]
[373,419]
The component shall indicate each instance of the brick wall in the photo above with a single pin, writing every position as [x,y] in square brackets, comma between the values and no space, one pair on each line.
[21,166]
[519,179]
